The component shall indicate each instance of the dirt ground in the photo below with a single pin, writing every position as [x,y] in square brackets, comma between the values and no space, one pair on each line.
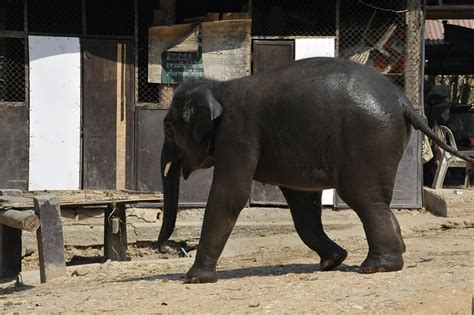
[266,268]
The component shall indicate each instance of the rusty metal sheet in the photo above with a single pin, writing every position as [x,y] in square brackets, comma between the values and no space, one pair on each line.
[14,146]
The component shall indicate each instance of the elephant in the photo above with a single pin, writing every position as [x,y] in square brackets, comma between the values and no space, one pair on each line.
[319,123]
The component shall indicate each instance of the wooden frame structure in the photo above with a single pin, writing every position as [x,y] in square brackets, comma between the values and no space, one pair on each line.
[49,230]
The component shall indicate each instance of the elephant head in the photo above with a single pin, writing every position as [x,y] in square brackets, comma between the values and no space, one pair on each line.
[189,126]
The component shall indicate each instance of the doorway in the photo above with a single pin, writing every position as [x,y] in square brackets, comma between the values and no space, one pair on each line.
[107,114]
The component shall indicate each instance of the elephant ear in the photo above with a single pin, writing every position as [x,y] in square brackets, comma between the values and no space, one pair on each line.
[201,109]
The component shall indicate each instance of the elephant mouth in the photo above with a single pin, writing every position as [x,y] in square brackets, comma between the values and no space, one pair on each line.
[187,170]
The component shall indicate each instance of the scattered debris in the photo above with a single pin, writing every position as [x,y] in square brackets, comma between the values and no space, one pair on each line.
[79,273]
[184,252]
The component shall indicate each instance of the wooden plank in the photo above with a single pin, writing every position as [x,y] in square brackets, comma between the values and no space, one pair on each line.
[115,233]
[14,146]
[50,238]
[108,154]
[235,16]
[12,34]
[10,252]
[99,113]
[121,114]
[82,199]
[226,49]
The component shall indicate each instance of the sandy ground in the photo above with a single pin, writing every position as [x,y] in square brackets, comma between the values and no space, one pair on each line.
[263,272]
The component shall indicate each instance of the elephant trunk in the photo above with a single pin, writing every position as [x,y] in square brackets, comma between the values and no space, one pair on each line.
[170,174]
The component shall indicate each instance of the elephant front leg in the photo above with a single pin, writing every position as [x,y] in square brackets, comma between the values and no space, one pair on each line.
[305,209]
[229,194]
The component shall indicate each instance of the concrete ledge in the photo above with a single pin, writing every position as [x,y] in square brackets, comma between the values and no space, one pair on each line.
[449,202]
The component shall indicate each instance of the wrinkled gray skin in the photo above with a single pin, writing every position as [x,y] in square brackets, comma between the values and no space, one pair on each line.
[320,123]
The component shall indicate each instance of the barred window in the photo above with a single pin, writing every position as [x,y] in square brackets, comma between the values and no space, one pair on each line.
[12,70]
[147,92]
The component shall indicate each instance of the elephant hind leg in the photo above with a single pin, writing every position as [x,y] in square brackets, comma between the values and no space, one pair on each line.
[386,246]
[305,209]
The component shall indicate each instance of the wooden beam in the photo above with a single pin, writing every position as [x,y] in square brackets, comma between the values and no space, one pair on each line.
[82,199]
[115,233]
[22,220]
[12,34]
[50,238]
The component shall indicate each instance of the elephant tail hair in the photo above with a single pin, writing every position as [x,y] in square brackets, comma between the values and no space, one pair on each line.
[420,123]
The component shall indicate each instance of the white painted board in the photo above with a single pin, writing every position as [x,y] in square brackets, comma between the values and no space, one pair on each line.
[55,113]
[328,197]
[315,47]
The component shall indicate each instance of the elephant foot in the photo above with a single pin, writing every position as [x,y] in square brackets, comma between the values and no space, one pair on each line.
[333,261]
[196,275]
[378,263]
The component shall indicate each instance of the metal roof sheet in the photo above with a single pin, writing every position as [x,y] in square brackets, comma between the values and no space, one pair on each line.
[435,30]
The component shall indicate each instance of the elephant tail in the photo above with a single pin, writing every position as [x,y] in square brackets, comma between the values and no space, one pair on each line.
[420,123]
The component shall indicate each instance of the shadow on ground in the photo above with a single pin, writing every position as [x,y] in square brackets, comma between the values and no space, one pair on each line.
[260,271]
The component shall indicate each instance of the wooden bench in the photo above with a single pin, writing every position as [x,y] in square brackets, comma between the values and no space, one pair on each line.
[47,210]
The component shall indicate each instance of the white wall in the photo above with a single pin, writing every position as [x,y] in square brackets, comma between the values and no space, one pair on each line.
[55,113]
[315,47]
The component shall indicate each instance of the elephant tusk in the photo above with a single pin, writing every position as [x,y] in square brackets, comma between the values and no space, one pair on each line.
[167,168]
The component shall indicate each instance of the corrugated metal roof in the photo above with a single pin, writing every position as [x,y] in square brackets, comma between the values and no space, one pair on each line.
[434,28]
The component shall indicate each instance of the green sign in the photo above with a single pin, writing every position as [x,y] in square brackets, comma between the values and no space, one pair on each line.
[178,66]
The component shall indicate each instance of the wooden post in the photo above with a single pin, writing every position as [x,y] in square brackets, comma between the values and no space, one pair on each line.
[10,252]
[413,56]
[50,238]
[115,233]
[10,244]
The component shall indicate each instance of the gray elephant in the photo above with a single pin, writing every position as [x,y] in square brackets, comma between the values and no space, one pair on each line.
[319,123]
